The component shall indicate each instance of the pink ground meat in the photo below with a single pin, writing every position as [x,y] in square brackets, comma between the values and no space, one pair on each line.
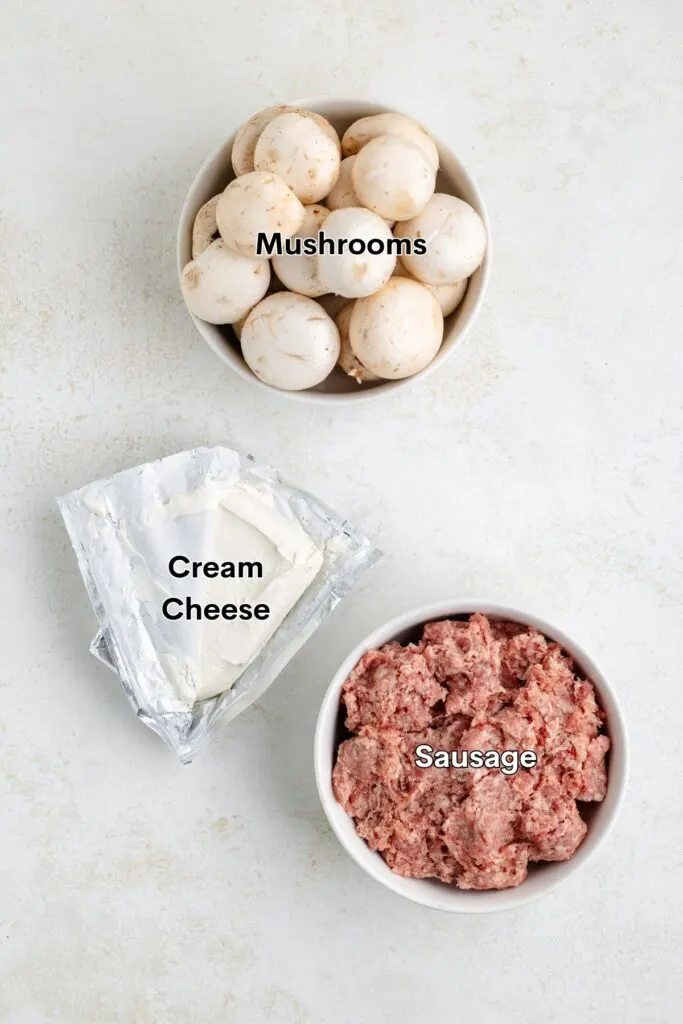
[475,685]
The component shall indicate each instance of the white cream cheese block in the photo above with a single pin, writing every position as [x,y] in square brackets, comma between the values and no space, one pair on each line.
[207,573]
[241,525]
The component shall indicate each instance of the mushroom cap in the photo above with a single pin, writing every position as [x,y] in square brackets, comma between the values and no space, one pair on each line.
[257,202]
[323,123]
[449,296]
[367,128]
[393,177]
[290,342]
[220,286]
[398,331]
[275,286]
[295,147]
[343,194]
[204,229]
[300,273]
[348,361]
[455,236]
[346,273]
[248,135]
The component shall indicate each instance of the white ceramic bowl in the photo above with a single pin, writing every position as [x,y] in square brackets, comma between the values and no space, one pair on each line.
[432,893]
[217,172]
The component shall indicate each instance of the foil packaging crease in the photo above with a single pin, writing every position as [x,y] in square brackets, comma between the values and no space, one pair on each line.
[97,518]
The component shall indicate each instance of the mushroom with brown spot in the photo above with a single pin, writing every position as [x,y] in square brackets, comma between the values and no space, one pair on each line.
[205,229]
[348,360]
[289,342]
[258,202]
[220,286]
[296,148]
[354,274]
[368,128]
[343,194]
[396,332]
[248,135]
[455,236]
[393,177]
[449,296]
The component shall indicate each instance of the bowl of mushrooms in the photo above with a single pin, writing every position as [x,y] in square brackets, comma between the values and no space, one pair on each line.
[334,250]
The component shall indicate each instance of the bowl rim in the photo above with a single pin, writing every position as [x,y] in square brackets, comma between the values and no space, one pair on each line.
[209,332]
[423,891]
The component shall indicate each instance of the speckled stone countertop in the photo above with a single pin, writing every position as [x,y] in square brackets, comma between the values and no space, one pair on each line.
[541,467]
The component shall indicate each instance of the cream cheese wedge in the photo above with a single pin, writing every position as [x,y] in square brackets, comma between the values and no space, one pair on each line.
[243,526]
[207,573]
[218,522]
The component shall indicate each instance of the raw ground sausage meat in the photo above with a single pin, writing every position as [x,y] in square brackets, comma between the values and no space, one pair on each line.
[475,685]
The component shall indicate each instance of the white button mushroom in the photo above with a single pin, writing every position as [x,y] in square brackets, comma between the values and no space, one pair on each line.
[455,236]
[398,331]
[298,150]
[363,264]
[299,273]
[393,177]
[275,286]
[449,296]
[323,123]
[343,194]
[248,135]
[220,286]
[205,229]
[257,202]
[290,342]
[348,361]
[367,128]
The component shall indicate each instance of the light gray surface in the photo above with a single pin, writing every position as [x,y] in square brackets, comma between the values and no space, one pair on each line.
[540,468]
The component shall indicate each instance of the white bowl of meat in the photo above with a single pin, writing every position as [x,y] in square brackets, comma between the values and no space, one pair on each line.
[470,756]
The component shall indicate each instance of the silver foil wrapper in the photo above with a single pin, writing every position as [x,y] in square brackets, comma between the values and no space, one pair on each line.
[100,519]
